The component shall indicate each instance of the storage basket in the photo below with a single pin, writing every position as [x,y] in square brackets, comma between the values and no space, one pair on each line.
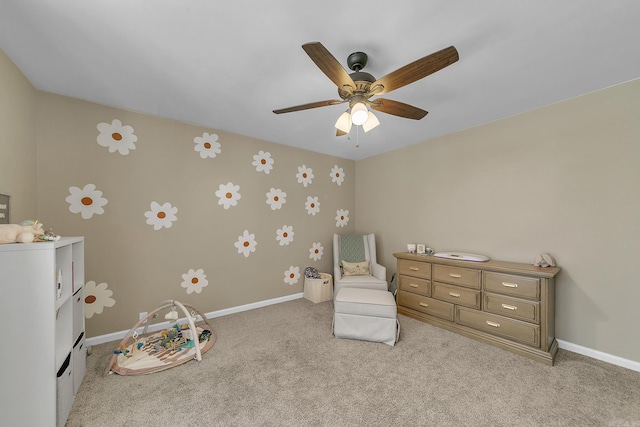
[319,290]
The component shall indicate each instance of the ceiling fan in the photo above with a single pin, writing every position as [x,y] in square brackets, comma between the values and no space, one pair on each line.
[359,87]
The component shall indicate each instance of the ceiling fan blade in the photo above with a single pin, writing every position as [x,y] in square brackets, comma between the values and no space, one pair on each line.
[308,106]
[414,71]
[329,65]
[399,109]
[340,133]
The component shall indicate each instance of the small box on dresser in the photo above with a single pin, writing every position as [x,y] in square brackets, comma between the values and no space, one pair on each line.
[506,304]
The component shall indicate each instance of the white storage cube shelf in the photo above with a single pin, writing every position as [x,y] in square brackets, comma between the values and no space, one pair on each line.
[42,291]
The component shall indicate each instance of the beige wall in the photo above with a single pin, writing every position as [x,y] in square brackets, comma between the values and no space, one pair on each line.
[563,179]
[17,141]
[143,266]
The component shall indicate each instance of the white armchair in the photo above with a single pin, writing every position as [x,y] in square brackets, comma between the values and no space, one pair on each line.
[356,252]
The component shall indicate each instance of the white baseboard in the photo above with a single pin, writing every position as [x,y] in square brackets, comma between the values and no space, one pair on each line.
[595,354]
[565,345]
[115,336]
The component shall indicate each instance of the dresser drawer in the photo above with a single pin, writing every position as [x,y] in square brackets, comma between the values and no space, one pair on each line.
[529,311]
[456,295]
[414,268]
[415,285]
[426,305]
[457,276]
[516,330]
[509,284]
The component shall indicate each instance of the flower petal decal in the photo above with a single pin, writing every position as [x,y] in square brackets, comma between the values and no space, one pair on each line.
[86,201]
[96,298]
[194,281]
[228,194]
[312,205]
[316,251]
[276,198]
[337,175]
[246,243]
[161,215]
[263,162]
[115,136]
[292,275]
[342,217]
[285,234]
[207,145]
[305,175]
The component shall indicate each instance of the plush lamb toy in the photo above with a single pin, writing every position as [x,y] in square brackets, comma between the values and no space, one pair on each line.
[15,233]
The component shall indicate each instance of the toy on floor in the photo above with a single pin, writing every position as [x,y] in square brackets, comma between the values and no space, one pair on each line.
[167,347]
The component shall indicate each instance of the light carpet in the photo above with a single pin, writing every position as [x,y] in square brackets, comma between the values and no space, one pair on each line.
[280,366]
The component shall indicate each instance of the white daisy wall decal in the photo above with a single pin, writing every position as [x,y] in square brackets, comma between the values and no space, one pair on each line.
[305,175]
[228,194]
[194,281]
[96,298]
[246,243]
[312,205]
[285,234]
[276,198]
[263,162]
[342,217]
[337,175]
[115,136]
[161,215]
[316,251]
[87,201]
[207,145]
[292,275]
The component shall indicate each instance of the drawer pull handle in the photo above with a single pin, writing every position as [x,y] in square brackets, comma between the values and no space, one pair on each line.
[414,268]
[413,285]
[510,285]
[453,294]
[509,307]
[424,304]
[455,276]
[494,324]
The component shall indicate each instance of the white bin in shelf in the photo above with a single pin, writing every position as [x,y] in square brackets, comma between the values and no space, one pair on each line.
[78,313]
[79,362]
[64,391]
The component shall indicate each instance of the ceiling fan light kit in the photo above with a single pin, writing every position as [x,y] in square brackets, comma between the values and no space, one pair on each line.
[358,87]
[359,114]
[372,122]
[344,123]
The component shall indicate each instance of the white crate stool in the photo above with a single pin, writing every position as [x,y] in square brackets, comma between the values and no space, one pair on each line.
[367,315]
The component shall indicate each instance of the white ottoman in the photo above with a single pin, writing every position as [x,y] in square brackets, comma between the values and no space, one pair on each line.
[367,315]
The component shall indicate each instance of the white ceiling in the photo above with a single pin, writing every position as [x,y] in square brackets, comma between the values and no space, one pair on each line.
[227,65]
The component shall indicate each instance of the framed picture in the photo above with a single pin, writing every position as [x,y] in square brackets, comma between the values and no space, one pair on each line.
[4,209]
[420,248]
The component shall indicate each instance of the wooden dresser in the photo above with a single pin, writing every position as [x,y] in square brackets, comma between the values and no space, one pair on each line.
[506,304]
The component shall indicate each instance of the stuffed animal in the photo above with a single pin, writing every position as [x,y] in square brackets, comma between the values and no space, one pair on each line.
[16,233]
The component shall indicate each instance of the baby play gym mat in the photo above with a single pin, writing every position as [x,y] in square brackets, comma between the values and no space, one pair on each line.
[156,351]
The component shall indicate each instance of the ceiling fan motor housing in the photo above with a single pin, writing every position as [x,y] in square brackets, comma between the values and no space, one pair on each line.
[357,61]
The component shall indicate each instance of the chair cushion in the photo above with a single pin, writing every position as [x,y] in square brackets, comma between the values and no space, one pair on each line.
[365,302]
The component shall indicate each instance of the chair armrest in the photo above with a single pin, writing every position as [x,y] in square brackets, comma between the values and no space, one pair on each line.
[337,274]
[379,271]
